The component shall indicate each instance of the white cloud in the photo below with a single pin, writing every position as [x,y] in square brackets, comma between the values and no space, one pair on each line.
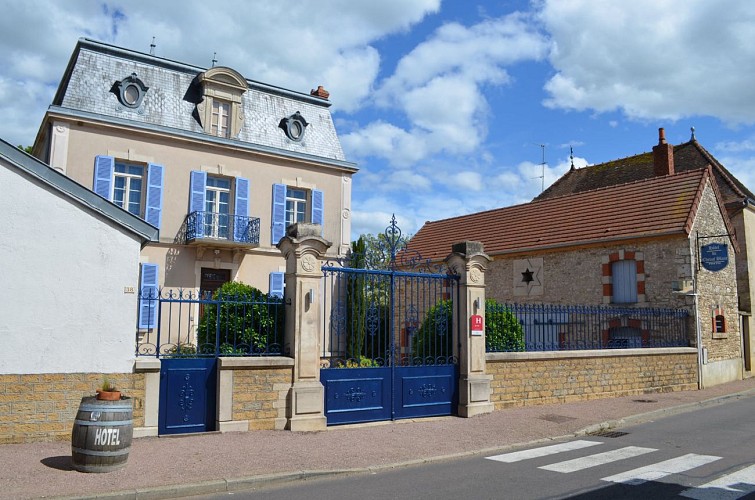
[736,147]
[438,86]
[285,43]
[653,60]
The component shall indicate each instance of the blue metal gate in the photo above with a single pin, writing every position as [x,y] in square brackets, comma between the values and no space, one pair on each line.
[188,395]
[389,351]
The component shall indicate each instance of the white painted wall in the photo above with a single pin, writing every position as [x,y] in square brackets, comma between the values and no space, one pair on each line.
[63,270]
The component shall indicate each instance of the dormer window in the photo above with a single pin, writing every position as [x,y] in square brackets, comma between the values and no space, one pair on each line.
[131,91]
[294,126]
[220,112]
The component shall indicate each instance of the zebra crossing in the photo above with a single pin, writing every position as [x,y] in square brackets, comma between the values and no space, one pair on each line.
[736,484]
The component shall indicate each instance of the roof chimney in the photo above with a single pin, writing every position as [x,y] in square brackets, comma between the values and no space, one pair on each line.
[663,156]
[320,92]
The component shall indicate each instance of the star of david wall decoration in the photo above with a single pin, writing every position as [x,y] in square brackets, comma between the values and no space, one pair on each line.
[528,277]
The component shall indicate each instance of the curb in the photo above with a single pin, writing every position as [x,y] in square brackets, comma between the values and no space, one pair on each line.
[246,483]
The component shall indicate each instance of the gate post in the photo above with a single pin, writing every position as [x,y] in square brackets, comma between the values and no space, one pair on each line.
[303,249]
[469,261]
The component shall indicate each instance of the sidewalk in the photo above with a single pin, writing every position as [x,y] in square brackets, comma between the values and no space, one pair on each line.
[207,463]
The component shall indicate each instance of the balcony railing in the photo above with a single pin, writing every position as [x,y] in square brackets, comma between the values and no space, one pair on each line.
[223,228]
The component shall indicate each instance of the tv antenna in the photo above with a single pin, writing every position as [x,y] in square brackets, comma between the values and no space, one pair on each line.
[542,169]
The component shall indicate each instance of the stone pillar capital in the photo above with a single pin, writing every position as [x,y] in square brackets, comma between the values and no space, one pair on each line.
[469,261]
[303,247]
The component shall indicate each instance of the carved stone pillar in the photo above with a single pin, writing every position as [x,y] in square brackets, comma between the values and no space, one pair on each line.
[469,261]
[304,248]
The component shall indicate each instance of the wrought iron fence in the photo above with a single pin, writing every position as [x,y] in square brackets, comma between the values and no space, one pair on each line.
[212,225]
[386,318]
[543,327]
[184,323]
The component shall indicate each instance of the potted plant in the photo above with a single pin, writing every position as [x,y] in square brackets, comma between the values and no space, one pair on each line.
[108,391]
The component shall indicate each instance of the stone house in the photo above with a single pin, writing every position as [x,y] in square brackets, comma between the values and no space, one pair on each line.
[630,245]
[218,163]
[61,332]
[737,198]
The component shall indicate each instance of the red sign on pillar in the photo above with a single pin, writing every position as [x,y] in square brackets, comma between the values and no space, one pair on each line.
[477,325]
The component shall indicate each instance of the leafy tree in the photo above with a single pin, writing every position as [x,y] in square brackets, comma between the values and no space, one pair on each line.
[503,331]
[246,320]
[27,149]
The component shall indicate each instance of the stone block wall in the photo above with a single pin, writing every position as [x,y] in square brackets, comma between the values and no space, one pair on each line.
[522,379]
[260,396]
[42,407]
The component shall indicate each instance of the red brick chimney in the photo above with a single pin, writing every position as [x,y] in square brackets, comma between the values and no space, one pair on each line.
[663,156]
[320,92]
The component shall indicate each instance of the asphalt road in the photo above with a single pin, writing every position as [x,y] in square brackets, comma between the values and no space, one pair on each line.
[706,454]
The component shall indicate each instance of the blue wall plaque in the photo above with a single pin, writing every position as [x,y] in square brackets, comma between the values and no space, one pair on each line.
[714,256]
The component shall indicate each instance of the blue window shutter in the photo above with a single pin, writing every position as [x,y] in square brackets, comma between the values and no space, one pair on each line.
[279,213]
[104,166]
[276,284]
[241,209]
[624,277]
[154,212]
[317,207]
[197,188]
[148,296]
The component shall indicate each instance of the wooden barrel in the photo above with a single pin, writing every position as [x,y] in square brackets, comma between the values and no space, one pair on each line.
[101,436]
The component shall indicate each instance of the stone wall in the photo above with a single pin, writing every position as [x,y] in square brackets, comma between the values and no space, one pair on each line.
[575,276]
[717,297]
[42,407]
[521,379]
[254,393]
[260,396]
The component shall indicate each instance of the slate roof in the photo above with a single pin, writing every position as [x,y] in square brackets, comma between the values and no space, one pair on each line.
[94,67]
[657,207]
[15,158]
[687,156]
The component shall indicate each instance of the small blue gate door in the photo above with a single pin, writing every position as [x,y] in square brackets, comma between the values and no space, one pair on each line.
[188,389]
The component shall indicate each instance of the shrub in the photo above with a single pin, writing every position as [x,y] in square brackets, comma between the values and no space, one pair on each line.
[247,321]
[503,331]
[434,338]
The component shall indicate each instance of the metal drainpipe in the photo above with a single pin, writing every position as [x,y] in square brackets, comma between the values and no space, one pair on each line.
[699,340]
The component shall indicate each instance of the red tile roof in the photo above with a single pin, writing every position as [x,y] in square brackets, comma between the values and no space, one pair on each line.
[660,206]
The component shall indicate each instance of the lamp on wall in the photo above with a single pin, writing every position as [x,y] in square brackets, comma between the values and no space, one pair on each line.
[476,304]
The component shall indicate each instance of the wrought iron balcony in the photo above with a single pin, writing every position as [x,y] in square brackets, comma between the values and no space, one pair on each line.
[222,229]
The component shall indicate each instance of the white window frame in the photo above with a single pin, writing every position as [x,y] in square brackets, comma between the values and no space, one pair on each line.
[221,118]
[213,215]
[299,205]
[128,178]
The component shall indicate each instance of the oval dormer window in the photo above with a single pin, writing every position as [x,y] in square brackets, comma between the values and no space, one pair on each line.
[131,91]
[294,126]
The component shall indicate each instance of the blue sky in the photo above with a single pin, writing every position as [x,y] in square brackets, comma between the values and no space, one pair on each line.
[443,105]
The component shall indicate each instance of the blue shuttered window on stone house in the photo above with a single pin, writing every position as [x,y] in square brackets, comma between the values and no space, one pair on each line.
[317,207]
[154,206]
[104,173]
[278,211]
[278,228]
[241,209]
[148,296]
[624,277]
[197,188]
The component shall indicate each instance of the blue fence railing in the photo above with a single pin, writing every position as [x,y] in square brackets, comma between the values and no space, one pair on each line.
[543,327]
[184,323]
[217,226]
